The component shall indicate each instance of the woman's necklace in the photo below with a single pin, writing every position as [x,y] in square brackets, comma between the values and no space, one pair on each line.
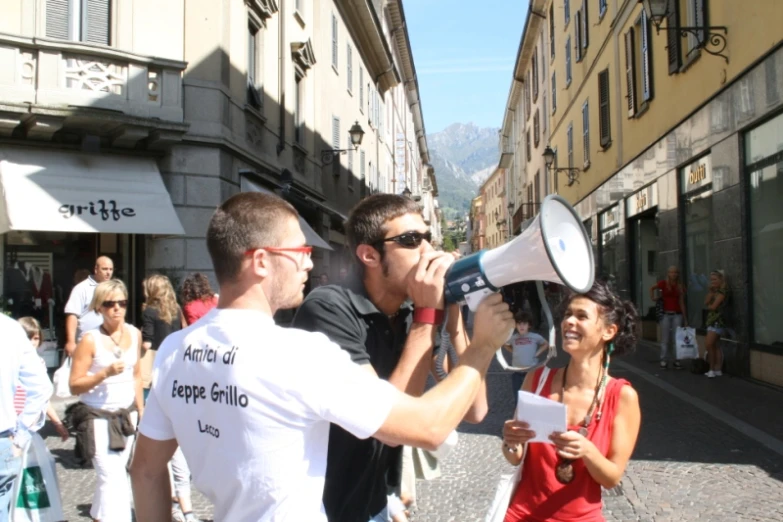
[117,350]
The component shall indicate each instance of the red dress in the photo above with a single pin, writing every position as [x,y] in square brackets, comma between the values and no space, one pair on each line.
[539,496]
[195,310]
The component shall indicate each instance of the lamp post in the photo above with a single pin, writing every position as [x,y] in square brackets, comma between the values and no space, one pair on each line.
[571,172]
[706,36]
[356,133]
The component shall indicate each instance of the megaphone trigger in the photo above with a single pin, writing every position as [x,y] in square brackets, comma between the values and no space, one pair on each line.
[473,299]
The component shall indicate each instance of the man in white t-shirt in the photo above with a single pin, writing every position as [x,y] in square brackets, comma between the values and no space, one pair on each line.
[250,402]
[78,316]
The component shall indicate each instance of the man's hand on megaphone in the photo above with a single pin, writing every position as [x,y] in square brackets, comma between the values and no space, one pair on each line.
[493,323]
[426,281]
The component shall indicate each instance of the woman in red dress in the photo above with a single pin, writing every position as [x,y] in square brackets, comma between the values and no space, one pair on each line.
[198,297]
[562,481]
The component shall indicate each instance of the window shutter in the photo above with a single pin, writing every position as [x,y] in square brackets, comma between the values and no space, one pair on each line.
[700,12]
[629,72]
[361,88]
[568,61]
[554,94]
[334,41]
[349,66]
[58,13]
[350,167]
[586,132]
[647,71]
[570,139]
[604,114]
[97,22]
[585,25]
[552,30]
[363,186]
[578,36]
[673,37]
[335,132]
[566,11]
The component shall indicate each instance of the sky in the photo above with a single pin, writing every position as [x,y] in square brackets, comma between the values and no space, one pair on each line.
[464,53]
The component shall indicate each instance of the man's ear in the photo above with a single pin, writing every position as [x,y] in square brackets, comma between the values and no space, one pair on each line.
[368,256]
[260,261]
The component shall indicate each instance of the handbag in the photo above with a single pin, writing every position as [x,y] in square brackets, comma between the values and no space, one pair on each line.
[509,481]
[36,491]
[62,388]
[685,342]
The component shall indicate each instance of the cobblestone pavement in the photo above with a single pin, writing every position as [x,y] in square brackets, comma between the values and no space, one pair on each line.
[688,465]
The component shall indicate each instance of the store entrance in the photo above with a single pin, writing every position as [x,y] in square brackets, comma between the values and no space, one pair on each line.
[643,231]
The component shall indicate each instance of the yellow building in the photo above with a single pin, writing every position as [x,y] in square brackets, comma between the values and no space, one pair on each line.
[670,121]
[495,212]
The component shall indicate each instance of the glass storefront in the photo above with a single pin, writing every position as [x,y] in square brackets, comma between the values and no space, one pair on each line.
[696,205]
[764,168]
[611,246]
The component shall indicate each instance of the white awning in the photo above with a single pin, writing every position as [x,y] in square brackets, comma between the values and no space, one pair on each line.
[311,237]
[76,192]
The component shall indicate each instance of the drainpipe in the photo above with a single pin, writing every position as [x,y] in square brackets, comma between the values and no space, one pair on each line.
[281,75]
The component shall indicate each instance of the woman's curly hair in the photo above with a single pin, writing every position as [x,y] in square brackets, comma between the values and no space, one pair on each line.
[195,287]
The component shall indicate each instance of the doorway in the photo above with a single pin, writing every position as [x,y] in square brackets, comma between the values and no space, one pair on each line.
[643,229]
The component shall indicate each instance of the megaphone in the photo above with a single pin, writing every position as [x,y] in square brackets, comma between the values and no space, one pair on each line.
[554,247]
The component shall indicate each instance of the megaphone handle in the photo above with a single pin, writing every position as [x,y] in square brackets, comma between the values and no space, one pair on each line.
[547,313]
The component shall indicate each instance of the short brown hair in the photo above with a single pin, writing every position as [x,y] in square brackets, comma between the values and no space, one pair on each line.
[366,225]
[244,221]
[521,316]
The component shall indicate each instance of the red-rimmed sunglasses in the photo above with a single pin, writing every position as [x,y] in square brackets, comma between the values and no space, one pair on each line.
[307,250]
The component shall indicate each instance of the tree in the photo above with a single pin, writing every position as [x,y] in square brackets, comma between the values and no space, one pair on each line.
[448,243]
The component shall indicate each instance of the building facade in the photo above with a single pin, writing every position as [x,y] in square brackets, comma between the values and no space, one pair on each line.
[675,136]
[131,121]
[494,207]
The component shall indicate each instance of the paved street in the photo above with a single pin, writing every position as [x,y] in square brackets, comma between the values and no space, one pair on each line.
[707,451]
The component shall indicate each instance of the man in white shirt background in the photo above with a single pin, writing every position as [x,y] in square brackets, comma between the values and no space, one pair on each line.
[78,316]
[21,366]
[250,402]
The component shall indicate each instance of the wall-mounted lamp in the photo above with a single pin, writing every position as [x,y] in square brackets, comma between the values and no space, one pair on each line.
[571,172]
[357,134]
[406,192]
[706,36]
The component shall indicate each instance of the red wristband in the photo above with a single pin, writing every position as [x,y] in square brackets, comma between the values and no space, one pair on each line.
[428,316]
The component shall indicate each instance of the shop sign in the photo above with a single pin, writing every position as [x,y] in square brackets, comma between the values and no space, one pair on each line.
[610,218]
[642,200]
[103,209]
[697,174]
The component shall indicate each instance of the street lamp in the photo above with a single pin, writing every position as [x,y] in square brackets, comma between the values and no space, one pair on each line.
[571,172]
[406,192]
[657,10]
[356,133]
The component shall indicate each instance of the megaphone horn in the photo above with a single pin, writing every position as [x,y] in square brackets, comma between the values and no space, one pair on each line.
[554,247]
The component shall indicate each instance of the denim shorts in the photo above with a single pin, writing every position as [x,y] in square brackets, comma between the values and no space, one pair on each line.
[716,329]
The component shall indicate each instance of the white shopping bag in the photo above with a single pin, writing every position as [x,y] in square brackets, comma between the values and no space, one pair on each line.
[36,496]
[685,339]
[60,380]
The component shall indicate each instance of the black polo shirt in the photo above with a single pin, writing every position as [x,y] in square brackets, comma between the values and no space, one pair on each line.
[356,470]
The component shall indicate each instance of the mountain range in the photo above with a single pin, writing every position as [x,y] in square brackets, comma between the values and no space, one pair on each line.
[463,155]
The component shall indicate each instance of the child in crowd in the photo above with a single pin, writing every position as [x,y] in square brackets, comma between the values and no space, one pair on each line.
[525,346]
[33,330]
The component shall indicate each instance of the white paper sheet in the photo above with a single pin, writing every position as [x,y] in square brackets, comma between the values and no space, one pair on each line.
[544,416]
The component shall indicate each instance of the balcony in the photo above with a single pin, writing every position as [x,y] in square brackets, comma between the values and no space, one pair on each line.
[49,85]
[524,212]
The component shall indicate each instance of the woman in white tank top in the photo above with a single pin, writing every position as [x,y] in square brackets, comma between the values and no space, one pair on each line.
[106,375]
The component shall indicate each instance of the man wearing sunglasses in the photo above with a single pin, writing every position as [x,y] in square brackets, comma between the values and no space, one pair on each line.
[386,318]
[250,403]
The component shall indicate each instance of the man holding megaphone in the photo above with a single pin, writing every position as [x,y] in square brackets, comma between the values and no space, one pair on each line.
[387,318]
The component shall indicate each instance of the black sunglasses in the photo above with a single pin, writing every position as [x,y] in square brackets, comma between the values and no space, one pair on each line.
[110,304]
[411,239]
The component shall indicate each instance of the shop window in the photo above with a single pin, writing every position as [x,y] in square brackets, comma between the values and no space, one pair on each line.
[764,168]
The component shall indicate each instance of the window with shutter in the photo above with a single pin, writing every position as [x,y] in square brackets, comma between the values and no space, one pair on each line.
[527,97]
[537,186]
[646,57]
[673,51]
[570,144]
[361,89]
[349,66]
[544,114]
[96,19]
[566,11]
[334,42]
[535,74]
[697,17]
[554,94]
[585,25]
[630,74]
[336,144]
[527,146]
[363,186]
[79,20]
[536,129]
[253,37]
[578,36]
[58,19]
[568,61]
[601,8]
[552,31]
[586,133]
[604,113]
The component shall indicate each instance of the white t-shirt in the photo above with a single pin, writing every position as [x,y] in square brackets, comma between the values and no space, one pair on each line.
[524,348]
[79,305]
[250,404]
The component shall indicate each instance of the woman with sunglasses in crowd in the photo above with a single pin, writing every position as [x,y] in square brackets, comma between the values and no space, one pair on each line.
[562,480]
[106,376]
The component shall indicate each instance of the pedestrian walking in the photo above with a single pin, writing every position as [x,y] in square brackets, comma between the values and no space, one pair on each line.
[21,365]
[386,319]
[671,297]
[715,303]
[563,480]
[106,376]
[79,316]
[197,296]
[250,402]
[160,316]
